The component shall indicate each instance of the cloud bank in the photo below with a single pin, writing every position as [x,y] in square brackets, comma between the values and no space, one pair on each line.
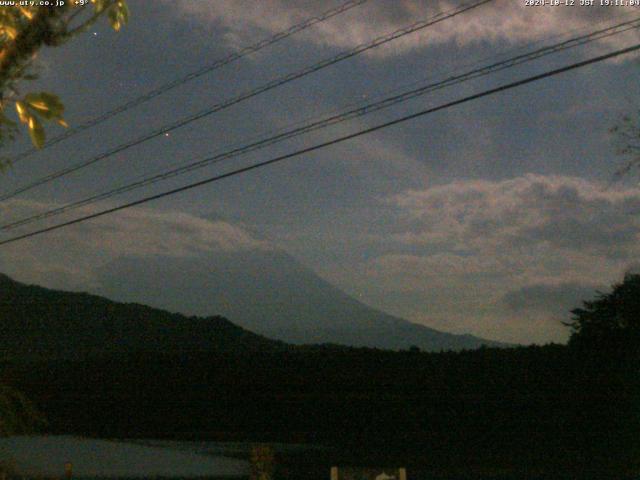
[499,22]
[513,253]
[504,259]
[136,232]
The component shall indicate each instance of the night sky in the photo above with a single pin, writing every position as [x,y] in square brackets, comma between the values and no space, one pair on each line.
[494,217]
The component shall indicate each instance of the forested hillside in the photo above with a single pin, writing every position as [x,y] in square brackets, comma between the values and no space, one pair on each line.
[534,410]
[40,323]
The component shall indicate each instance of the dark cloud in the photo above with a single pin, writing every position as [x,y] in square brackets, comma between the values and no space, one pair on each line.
[553,299]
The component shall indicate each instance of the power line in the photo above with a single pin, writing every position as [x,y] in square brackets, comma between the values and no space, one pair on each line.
[341,139]
[195,74]
[339,118]
[252,93]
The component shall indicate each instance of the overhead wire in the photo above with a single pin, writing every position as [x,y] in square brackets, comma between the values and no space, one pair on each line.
[250,94]
[338,118]
[219,63]
[331,142]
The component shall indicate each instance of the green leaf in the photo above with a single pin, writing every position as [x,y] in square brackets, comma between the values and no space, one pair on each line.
[45,104]
[36,132]
[27,12]
[23,112]
[100,5]
[118,14]
[123,9]
[113,19]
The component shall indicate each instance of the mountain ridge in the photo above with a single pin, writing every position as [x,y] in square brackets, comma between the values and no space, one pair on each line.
[272,294]
[39,322]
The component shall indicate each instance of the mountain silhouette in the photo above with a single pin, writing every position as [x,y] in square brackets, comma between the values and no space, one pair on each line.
[39,323]
[272,294]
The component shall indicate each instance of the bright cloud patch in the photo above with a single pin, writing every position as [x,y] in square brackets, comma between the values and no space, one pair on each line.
[497,22]
[80,248]
[529,247]
[519,223]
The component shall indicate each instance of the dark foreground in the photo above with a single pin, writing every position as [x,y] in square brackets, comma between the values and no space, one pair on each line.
[536,412]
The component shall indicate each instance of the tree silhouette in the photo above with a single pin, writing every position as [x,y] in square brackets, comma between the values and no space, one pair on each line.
[611,321]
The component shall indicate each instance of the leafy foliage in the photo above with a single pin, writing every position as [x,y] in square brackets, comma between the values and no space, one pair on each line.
[109,369]
[612,321]
[46,323]
[18,414]
[23,31]
[36,107]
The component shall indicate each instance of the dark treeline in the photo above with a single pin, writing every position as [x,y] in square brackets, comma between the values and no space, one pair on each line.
[540,409]
[96,367]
